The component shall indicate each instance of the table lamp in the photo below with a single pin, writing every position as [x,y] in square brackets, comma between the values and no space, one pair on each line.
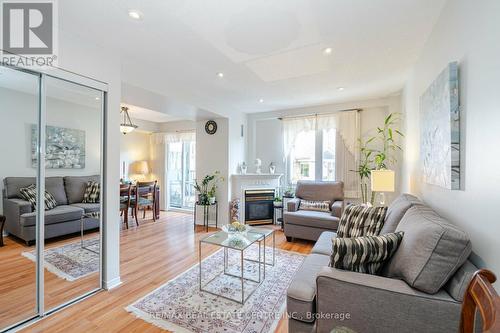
[140,168]
[382,181]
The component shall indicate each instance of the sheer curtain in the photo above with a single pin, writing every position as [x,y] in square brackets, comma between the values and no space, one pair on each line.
[347,131]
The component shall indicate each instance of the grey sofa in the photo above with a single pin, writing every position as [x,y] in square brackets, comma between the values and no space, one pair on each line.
[62,220]
[308,224]
[420,289]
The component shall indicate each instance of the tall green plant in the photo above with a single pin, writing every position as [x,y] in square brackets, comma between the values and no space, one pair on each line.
[386,136]
[376,159]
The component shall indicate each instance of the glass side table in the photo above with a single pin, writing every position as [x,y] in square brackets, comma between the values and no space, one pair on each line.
[86,217]
[206,211]
[239,243]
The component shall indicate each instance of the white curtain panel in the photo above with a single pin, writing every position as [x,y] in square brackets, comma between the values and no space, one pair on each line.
[347,129]
[292,127]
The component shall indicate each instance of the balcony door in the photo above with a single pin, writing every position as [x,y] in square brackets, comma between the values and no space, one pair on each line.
[181,173]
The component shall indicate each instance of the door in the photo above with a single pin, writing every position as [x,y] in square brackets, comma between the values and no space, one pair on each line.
[181,172]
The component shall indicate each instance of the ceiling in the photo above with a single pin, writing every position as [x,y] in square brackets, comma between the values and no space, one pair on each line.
[271,52]
[138,112]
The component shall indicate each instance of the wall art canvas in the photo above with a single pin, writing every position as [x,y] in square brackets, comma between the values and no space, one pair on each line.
[65,148]
[440,130]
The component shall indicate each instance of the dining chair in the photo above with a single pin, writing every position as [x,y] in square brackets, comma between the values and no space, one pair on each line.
[481,296]
[125,198]
[144,197]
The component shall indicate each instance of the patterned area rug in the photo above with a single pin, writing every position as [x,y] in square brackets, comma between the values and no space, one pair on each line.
[180,306]
[71,261]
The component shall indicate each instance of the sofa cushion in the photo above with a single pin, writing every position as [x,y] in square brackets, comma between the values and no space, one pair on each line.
[322,191]
[30,194]
[364,254]
[312,219]
[59,214]
[320,206]
[53,185]
[88,207]
[457,285]
[431,251]
[324,243]
[361,220]
[92,192]
[301,293]
[397,210]
[75,187]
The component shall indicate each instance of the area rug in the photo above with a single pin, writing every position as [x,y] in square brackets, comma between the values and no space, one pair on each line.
[70,261]
[180,306]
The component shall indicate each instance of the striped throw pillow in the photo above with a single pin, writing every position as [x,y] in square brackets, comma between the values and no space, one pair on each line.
[29,194]
[364,254]
[321,206]
[92,192]
[358,220]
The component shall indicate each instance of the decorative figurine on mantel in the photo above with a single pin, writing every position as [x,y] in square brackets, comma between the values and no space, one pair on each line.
[243,168]
[272,168]
[258,165]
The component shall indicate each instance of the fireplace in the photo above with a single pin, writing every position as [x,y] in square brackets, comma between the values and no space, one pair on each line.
[259,206]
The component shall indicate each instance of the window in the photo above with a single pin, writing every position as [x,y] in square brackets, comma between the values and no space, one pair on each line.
[312,156]
[181,174]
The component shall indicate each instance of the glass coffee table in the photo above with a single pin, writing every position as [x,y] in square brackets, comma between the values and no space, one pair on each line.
[239,243]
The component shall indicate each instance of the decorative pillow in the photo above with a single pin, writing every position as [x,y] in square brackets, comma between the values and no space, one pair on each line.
[92,192]
[364,254]
[321,206]
[359,220]
[29,194]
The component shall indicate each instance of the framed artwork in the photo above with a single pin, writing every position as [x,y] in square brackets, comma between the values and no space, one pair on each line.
[65,148]
[440,130]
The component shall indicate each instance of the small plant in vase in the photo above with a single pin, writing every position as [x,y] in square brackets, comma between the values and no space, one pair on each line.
[207,188]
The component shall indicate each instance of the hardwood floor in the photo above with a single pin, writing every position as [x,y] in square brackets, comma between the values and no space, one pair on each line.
[150,255]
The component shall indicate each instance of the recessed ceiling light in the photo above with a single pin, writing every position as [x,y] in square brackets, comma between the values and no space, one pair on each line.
[220,74]
[135,14]
[261,100]
[328,50]
[340,88]
[97,98]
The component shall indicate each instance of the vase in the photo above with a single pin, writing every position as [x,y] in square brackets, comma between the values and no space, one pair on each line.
[211,200]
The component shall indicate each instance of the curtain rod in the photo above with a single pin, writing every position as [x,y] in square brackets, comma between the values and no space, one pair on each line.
[318,114]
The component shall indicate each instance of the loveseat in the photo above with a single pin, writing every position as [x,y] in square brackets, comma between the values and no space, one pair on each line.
[420,289]
[64,219]
[309,224]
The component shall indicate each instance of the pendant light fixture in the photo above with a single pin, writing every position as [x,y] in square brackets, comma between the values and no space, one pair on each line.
[126,126]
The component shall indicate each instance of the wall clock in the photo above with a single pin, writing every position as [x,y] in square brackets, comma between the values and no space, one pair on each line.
[211,127]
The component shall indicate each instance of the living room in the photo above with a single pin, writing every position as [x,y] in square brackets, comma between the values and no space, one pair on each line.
[307,166]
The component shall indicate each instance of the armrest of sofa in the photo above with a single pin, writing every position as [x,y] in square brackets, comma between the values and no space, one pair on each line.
[292,205]
[363,301]
[337,208]
[12,210]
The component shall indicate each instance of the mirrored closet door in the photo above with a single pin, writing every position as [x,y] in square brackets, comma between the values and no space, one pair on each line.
[50,256]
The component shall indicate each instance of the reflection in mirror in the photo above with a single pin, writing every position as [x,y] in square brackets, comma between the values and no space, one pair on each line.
[73,171]
[18,113]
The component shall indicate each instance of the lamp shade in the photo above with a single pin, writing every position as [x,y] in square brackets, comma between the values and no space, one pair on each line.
[140,168]
[382,180]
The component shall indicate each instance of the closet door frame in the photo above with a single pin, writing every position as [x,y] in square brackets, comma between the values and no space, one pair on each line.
[60,74]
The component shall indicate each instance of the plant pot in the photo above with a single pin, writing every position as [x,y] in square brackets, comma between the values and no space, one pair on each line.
[211,200]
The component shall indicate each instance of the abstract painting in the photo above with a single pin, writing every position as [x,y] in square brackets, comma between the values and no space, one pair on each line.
[65,148]
[440,130]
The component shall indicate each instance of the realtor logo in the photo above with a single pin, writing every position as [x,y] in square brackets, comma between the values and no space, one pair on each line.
[29,31]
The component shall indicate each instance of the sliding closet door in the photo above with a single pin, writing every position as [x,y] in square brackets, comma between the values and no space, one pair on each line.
[19,117]
[73,159]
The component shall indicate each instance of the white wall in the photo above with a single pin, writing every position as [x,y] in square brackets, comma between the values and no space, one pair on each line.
[212,154]
[16,136]
[265,139]
[134,147]
[467,32]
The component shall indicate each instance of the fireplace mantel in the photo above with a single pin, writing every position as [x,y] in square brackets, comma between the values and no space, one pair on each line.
[242,182]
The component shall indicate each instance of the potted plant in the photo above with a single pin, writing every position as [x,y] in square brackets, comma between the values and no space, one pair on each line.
[207,188]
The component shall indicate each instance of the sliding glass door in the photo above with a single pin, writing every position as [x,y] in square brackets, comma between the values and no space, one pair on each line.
[181,173]
[50,211]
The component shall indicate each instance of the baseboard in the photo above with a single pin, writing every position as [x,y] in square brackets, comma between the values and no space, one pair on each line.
[112,283]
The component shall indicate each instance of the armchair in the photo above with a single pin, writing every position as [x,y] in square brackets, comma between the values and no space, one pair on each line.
[307,224]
